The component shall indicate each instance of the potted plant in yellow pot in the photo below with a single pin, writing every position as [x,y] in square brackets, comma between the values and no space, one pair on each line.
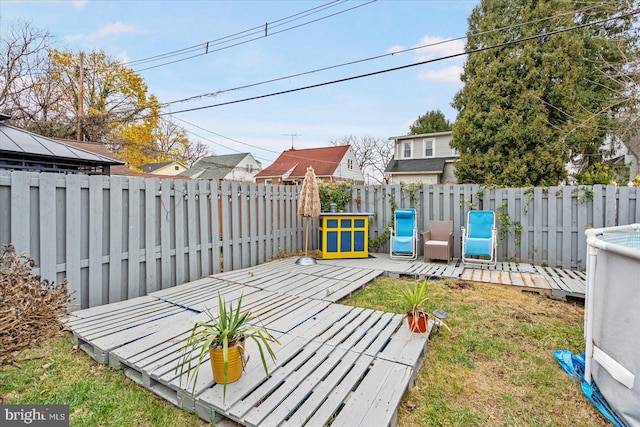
[414,299]
[223,336]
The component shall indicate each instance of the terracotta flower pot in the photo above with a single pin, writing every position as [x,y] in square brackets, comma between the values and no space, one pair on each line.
[418,321]
[237,361]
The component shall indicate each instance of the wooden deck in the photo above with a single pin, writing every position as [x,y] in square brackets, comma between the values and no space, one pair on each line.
[555,282]
[335,363]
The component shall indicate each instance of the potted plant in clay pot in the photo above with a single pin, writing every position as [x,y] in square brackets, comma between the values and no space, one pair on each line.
[414,299]
[223,337]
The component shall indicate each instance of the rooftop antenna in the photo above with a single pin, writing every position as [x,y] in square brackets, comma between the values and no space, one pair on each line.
[292,135]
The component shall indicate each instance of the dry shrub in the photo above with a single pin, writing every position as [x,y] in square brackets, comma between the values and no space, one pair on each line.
[31,308]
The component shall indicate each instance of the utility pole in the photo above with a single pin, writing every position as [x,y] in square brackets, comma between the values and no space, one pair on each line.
[80,96]
[292,135]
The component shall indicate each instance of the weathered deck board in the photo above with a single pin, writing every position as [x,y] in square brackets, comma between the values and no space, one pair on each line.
[338,364]
[335,341]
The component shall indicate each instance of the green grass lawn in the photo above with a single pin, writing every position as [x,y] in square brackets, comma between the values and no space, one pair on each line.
[494,368]
[96,394]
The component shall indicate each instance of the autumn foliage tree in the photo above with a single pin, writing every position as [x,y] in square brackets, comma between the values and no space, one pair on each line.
[529,107]
[63,94]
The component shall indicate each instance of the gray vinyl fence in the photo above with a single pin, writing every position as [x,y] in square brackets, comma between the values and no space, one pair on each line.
[116,238]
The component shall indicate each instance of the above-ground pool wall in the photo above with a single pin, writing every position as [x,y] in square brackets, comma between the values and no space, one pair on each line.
[613,309]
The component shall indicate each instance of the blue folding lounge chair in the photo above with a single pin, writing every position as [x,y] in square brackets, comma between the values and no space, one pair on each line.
[404,234]
[479,238]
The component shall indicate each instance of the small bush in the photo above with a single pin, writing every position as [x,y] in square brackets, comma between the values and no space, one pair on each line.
[30,307]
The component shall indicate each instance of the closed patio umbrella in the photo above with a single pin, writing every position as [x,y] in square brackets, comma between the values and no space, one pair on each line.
[308,207]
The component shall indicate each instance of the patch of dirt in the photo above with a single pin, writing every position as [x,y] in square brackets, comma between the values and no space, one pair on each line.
[459,284]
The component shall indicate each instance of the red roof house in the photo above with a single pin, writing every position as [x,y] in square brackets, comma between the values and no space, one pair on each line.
[331,164]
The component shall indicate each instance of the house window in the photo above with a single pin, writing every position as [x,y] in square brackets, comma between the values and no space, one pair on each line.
[429,147]
[268,181]
[350,163]
[177,168]
[249,168]
[407,150]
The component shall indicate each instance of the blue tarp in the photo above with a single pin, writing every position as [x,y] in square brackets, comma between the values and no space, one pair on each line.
[574,366]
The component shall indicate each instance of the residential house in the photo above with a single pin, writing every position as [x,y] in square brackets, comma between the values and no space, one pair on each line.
[122,169]
[22,150]
[229,167]
[331,164]
[427,158]
[164,168]
[626,158]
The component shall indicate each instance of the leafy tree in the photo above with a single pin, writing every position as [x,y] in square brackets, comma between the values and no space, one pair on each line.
[431,122]
[529,108]
[40,88]
[114,96]
[174,144]
[372,154]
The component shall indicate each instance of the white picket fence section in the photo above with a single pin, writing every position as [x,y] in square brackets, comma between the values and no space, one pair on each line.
[115,238]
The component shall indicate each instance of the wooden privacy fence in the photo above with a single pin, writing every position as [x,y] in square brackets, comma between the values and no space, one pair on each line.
[116,238]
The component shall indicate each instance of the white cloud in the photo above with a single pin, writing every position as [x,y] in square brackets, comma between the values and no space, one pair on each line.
[122,57]
[79,4]
[396,49]
[449,74]
[113,29]
[106,31]
[437,47]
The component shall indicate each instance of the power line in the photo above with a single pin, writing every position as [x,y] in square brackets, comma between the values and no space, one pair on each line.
[402,67]
[207,46]
[231,36]
[226,137]
[219,92]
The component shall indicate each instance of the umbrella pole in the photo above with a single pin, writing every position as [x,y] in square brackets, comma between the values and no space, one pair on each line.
[306,239]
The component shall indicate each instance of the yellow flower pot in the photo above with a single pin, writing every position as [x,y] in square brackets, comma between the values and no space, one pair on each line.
[237,361]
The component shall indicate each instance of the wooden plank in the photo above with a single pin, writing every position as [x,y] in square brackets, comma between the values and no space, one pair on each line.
[253,225]
[48,233]
[168,278]
[97,295]
[309,396]
[204,216]
[245,233]
[150,224]
[216,244]
[20,212]
[253,387]
[260,220]
[179,206]
[339,393]
[116,288]
[567,227]
[611,211]
[227,243]
[539,232]
[133,289]
[375,401]
[73,240]
[552,225]
[191,222]
[292,376]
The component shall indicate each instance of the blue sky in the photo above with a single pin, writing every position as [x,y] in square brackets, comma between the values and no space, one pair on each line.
[380,106]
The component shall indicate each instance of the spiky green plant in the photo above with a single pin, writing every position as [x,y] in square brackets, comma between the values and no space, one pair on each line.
[414,297]
[225,329]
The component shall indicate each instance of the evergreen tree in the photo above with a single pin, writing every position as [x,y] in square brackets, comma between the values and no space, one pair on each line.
[432,121]
[528,108]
